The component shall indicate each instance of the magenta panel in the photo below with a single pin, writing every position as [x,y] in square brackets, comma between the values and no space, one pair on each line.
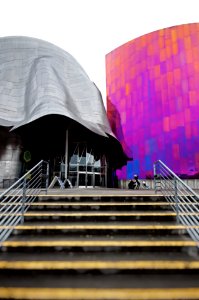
[153,100]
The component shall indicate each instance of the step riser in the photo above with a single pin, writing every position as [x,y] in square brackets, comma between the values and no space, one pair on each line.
[78,257]
[88,219]
[98,293]
[101,208]
[98,249]
[101,232]
[101,281]
[97,272]
[90,198]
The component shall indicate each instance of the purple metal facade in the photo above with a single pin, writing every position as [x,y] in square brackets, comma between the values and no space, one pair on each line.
[153,100]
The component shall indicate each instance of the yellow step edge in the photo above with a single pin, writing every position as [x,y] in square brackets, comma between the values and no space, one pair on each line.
[104,213]
[99,294]
[99,243]
[90,195]
[99,195]
[88,203]
[97,204]
[131,265]
[98,214]
[100,227]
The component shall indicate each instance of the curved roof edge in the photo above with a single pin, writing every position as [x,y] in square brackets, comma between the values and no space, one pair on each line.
[38,78]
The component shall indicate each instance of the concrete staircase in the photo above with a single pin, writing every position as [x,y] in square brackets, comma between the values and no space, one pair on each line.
[104,244]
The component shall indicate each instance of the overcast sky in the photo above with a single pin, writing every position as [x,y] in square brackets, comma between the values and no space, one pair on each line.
[89,29]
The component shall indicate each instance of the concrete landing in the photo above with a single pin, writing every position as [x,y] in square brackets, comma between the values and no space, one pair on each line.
[100,192]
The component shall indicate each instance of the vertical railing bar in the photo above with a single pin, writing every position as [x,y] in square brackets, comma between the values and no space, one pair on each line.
[7,197]
[167,183]
[176,199]
[20,179]
[11,216]
[31,187]
[23,200]
[18,197]
[185,200]
[11,192]
[4,232]
[155,178]
[178,179]
[8,202]
[7,209]
[47,177]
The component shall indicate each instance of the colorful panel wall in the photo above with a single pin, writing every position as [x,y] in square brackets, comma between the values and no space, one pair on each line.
[153,100]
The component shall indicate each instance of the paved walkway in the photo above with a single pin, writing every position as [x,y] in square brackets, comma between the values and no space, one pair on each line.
[96,191]
[100,191]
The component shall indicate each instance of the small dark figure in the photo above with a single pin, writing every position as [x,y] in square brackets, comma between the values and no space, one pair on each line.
[134,184]
[145,185]
[137,183]
[131,184]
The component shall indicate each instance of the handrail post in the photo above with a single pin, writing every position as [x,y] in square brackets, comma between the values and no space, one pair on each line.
[176,199]
[23,200]
[18,194]
[155,175]
[176,190]
[47,177]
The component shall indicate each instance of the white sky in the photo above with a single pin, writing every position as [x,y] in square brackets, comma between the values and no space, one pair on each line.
[89,29]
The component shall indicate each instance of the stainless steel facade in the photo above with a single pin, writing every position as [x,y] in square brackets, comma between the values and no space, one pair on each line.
[38,79]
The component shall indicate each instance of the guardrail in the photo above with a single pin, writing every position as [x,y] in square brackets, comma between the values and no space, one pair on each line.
[15,201]
[183,199]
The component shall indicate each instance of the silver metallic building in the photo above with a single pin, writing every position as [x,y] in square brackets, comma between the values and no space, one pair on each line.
[45,95]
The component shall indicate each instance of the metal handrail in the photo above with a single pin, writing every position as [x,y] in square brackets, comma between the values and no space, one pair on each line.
[15,201]
[183,199]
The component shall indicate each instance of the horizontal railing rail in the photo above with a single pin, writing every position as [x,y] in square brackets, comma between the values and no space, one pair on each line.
[15,201]
[183,199]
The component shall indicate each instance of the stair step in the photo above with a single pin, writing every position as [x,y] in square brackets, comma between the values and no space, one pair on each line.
[99,228]
[98,216]
[92,203]
[100,293]
[101,213]
[123,244]
[106,280]
[130,203]
[123,264]
[98,243]
[100,195]
[125,196]
[105,226]
[103,256]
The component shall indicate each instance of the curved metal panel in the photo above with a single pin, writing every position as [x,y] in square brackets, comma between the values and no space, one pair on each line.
[38,79]
[153,100]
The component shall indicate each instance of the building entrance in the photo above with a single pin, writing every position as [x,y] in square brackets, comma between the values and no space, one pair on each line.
[86,169]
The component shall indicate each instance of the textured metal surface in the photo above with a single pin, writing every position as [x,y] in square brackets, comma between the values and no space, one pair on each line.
[38,79]
[10,149]
[152,100]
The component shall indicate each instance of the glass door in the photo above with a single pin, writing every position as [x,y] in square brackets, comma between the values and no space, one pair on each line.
[85,171]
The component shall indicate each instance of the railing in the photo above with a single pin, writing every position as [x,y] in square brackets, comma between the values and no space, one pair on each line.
[183,199]
[15,201]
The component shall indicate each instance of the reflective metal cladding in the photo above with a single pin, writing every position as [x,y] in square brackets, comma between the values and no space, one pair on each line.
[38,79]
[153,100]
